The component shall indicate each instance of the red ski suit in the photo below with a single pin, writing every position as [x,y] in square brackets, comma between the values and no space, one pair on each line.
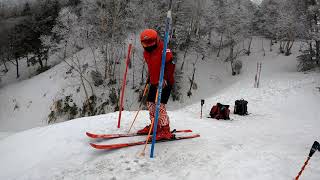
[153,60]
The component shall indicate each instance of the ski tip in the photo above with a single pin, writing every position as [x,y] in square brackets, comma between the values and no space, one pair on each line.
[89,134]
[95,146]
[181,131]
[188,130]
[196,135]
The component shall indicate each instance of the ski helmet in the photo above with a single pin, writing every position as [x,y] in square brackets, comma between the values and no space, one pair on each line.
[148,38]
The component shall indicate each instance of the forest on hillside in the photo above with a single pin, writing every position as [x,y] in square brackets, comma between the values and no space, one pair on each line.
[44,33]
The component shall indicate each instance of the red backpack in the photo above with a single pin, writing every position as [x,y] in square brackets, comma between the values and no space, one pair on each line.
[220,111]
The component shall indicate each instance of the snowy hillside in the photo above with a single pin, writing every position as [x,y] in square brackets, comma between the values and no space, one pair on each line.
[26,101]
[271,143]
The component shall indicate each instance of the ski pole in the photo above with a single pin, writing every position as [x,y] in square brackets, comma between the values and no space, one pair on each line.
[164,53]
[149,134]
[202,103]
[144,94]
[124,83]
[315,147]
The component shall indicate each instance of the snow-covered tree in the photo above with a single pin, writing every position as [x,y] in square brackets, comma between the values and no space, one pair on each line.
[270,10]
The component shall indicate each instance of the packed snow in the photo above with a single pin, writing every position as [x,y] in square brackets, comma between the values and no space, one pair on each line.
[272,142]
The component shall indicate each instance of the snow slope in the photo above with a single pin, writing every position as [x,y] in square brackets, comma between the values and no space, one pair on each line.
[26,104]
[271,143]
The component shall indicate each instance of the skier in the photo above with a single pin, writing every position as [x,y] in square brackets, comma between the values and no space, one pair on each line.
[153,48]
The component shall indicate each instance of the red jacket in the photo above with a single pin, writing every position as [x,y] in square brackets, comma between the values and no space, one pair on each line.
[153,60]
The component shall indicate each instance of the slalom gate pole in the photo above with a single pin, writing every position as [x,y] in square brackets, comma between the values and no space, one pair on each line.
[135,117]
[164,53]
[315,147]
[124,83]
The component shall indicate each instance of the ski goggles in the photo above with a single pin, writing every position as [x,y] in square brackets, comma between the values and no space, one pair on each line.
[148,43]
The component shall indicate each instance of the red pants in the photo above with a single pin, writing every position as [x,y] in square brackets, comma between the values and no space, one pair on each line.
[163,119]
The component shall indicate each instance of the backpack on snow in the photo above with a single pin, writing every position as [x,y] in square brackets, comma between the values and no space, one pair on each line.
[220,111]
[240,107]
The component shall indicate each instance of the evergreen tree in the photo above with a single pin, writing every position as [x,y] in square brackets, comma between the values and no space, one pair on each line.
[26,10]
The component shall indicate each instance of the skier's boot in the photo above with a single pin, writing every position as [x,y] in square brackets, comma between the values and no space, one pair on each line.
[163,132]
[145,130]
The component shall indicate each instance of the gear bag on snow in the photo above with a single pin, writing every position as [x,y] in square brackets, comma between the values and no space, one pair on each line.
[220,111]
[240,107]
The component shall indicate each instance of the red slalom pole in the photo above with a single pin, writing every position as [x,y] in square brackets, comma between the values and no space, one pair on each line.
[124,82]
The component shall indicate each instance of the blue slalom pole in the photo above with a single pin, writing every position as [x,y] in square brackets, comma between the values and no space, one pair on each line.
[164,53]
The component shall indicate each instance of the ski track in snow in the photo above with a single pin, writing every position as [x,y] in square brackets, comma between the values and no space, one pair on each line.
[270,143]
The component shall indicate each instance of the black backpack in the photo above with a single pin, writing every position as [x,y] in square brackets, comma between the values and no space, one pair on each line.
[240,107]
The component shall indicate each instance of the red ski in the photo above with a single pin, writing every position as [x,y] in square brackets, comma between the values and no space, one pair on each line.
[113,136]
[123,145]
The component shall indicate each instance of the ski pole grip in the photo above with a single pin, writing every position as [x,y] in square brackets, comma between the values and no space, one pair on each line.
[315,147]
[202,102]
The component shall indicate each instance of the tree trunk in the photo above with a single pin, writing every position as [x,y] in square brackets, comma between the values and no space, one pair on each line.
[231,53]
[193,75]
[91,88]
[209,37]
[5,66]
[271,43]
[192,81]
[310,51]
[46,58]
[65,50]
[317,51]
[80,71]
[113,75]
[288,47]
[106,62]
[142,73]
[231,59]
[249,47]
[40,61]
[264,52]
[184,58]
[17,67]
[220,45]
[281,47]
[28,63]
[84,87]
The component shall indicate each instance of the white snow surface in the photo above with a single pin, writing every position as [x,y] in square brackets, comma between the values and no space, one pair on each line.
[270,143]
